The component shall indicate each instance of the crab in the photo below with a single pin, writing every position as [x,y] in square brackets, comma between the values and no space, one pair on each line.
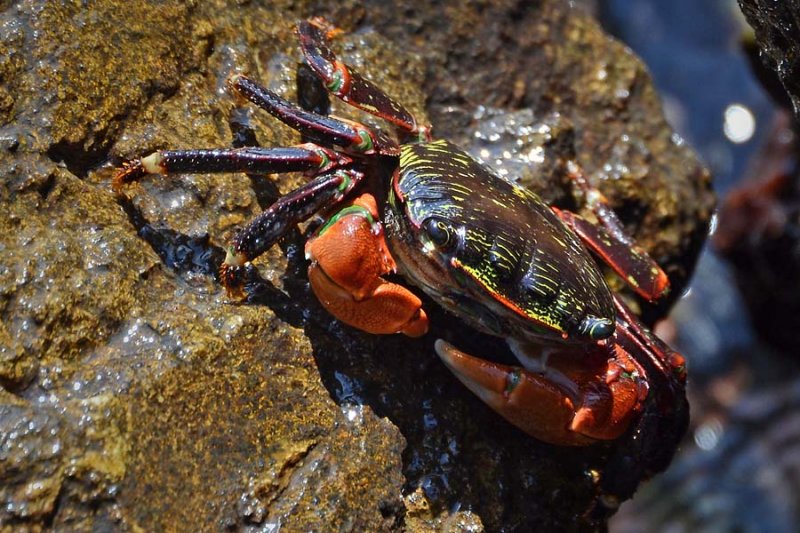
[489,251]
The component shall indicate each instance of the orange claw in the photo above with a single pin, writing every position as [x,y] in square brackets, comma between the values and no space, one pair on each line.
[572,402]
[348,258]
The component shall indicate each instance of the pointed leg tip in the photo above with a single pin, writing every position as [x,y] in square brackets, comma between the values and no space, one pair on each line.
[662,284]
[234,84]
[231,274]
[130,171]
[328,28]
[233,79]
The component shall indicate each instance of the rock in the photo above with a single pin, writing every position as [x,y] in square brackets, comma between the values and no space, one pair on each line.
[757,434]
[137,396]
[759,225]
[759,220]
[778,36]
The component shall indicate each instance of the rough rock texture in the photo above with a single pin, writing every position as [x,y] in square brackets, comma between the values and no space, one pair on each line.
[137,396]
[777,26]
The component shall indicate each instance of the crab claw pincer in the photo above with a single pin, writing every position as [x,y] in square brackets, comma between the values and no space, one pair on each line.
[566,403]
[348,258]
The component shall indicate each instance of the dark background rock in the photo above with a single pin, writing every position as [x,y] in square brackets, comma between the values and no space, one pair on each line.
[738,470]
[760,236]
[760,220]
[777,27]
[136,395]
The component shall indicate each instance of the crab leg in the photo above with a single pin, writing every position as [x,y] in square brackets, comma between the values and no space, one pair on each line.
[347,84]
[333,182]
[610,241]
[627,259]
[662,359]
[253,160]
[299,205]
[322,129]
[665,413]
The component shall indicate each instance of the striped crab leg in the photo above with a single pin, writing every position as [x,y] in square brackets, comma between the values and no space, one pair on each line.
[334,179]
[609,240]
[347,84]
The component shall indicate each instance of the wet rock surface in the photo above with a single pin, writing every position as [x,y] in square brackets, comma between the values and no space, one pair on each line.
[136,395]
[777,30]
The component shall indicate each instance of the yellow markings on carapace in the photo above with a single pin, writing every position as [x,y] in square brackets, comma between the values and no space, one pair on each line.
[545,320]
[407,157]
[498,203]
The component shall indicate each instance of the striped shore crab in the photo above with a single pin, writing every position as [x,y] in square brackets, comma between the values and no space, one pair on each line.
[488,251]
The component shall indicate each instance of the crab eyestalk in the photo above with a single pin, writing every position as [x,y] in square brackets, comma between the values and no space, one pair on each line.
[595,328]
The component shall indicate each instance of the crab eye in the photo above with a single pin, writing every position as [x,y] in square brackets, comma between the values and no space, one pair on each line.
[440,232]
